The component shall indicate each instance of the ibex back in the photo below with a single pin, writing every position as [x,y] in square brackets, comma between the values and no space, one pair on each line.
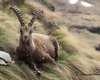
[35,48]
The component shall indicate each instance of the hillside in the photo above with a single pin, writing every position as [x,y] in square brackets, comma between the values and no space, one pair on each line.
[78,38]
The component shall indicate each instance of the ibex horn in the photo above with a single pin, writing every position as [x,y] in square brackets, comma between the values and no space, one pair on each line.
[35,16]
[18,15]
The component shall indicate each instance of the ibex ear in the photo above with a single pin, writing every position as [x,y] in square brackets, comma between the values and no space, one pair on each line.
[33,29]
[42,11]
[20,29]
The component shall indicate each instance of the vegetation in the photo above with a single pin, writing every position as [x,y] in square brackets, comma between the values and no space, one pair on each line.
[3,36]
[72,62]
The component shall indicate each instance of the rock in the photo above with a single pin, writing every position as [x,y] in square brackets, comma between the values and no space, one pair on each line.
[47,4]
[4,58]
[52,24]
[2,62]
[97,47]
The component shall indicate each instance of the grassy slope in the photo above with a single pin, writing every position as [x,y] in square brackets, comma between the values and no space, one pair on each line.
[70,66]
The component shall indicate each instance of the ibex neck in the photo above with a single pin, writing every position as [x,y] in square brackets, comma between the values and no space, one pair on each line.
[30,43]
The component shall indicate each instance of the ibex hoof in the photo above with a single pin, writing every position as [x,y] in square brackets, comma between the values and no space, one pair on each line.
[38,73]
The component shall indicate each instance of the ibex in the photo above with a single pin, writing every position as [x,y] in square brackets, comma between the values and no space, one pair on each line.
[35,48]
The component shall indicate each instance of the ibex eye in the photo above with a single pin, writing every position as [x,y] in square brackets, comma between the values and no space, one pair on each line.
[21,31]
[30,31]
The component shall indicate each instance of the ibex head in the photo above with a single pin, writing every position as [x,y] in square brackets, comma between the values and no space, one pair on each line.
[26,30]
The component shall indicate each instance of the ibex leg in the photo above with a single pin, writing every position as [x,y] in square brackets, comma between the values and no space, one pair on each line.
[32,65]
[49,59]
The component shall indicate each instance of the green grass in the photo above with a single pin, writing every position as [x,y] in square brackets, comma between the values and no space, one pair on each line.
[15,72]
[64,45]
[58,35]
[50,72]
[3,36]
[63,56]
[23,72]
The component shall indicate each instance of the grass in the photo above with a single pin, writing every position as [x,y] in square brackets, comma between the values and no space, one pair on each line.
[58,35]
[70,66]
[15,72]
[3,36]
[63,55]
[64,43]
[5,41]
[23,72]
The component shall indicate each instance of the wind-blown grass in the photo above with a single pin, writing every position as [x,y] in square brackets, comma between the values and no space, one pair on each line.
[15,72]
[69,66]
[3,36]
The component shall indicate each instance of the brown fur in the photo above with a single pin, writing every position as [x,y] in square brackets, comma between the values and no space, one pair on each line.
[45,50]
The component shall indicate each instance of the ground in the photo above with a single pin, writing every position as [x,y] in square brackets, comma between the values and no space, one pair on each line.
[78,38]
